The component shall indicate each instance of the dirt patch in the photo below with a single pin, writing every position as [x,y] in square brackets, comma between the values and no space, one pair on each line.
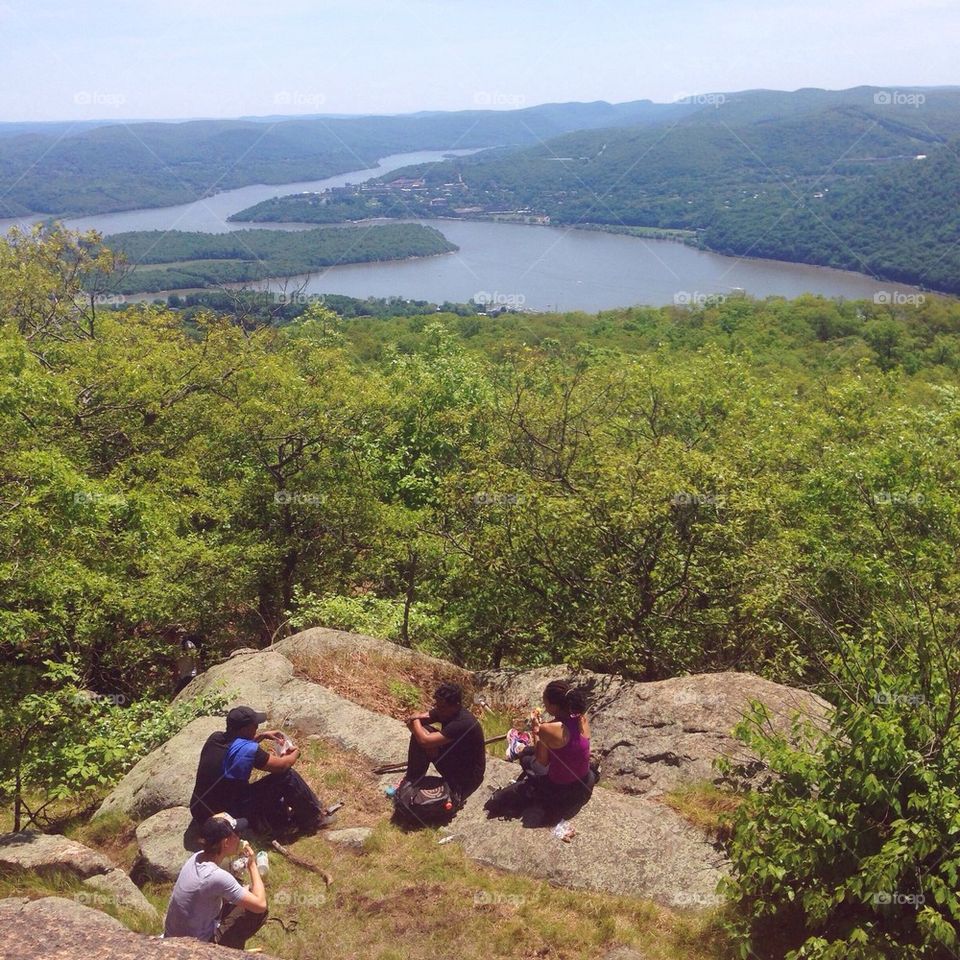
[338,774]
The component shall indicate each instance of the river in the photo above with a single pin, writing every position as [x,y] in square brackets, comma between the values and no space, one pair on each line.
[531,267]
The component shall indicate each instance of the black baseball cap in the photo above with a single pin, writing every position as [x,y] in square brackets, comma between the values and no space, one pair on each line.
[220,826]
[244,716]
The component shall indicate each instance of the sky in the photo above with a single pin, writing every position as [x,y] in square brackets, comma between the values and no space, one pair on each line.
[174,59]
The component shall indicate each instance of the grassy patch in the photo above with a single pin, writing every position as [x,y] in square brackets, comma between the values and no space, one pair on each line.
[392,685]
[407,896]
[705,806]
[60,883]
[113,834]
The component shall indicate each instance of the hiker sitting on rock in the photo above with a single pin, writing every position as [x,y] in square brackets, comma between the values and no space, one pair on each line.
[456,749]
[559,758]
[279,802]
[557,772]
[207,902]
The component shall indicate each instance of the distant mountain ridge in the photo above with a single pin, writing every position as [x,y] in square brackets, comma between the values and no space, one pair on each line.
[105,166]
[119,166]
[815,176]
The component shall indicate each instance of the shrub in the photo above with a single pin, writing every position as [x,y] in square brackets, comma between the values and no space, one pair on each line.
[852,851]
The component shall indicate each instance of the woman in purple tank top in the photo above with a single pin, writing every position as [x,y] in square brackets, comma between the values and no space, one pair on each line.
[563,744]
[560,759]
[557,764]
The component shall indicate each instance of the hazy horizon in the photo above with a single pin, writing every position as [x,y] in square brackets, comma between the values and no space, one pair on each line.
[230,60]
[334,116]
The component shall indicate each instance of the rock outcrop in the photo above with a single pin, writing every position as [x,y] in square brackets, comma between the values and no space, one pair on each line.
[47,853]
[656,736]
[164,842]
[653,737]
[623,844]
[55,928]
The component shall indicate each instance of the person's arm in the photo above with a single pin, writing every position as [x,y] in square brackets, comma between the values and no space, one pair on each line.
[281,763]
[254,899]
[269,735]
[427,738]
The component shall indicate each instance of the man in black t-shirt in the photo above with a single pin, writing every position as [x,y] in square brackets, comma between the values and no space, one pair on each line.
[456,749]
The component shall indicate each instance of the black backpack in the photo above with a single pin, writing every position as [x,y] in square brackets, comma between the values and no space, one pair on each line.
[430,800]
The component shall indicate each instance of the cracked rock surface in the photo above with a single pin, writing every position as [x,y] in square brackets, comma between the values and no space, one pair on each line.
[656,736]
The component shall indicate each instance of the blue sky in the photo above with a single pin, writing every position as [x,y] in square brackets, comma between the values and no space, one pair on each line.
[175,58]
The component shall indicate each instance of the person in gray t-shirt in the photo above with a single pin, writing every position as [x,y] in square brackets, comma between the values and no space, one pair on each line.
[207,902]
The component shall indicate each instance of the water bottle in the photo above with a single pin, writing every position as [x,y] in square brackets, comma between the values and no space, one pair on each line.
[263,863]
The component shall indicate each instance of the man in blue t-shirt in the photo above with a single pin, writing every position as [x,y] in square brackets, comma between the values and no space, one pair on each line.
[278,802]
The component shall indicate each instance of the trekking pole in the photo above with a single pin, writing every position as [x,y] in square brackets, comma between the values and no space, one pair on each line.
[400,767]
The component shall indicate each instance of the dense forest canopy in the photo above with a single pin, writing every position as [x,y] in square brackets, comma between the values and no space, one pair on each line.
[648,490]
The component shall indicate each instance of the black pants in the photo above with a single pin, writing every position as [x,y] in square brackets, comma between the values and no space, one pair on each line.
[418,762]
[280,800]
[237,925]
[535,788]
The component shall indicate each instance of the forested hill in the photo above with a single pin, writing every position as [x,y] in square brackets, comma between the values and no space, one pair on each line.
[822,178]
[180,260]
[121,166]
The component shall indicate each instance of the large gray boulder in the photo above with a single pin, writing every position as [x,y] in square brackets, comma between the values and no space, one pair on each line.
[28,850]
[48,910]
[322,641]
[165,778]
[623,845]
[653,736]
[656,736]
[164,842]
[42,852]
[55,928]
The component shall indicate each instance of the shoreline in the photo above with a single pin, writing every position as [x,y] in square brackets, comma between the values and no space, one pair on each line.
[689,241]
